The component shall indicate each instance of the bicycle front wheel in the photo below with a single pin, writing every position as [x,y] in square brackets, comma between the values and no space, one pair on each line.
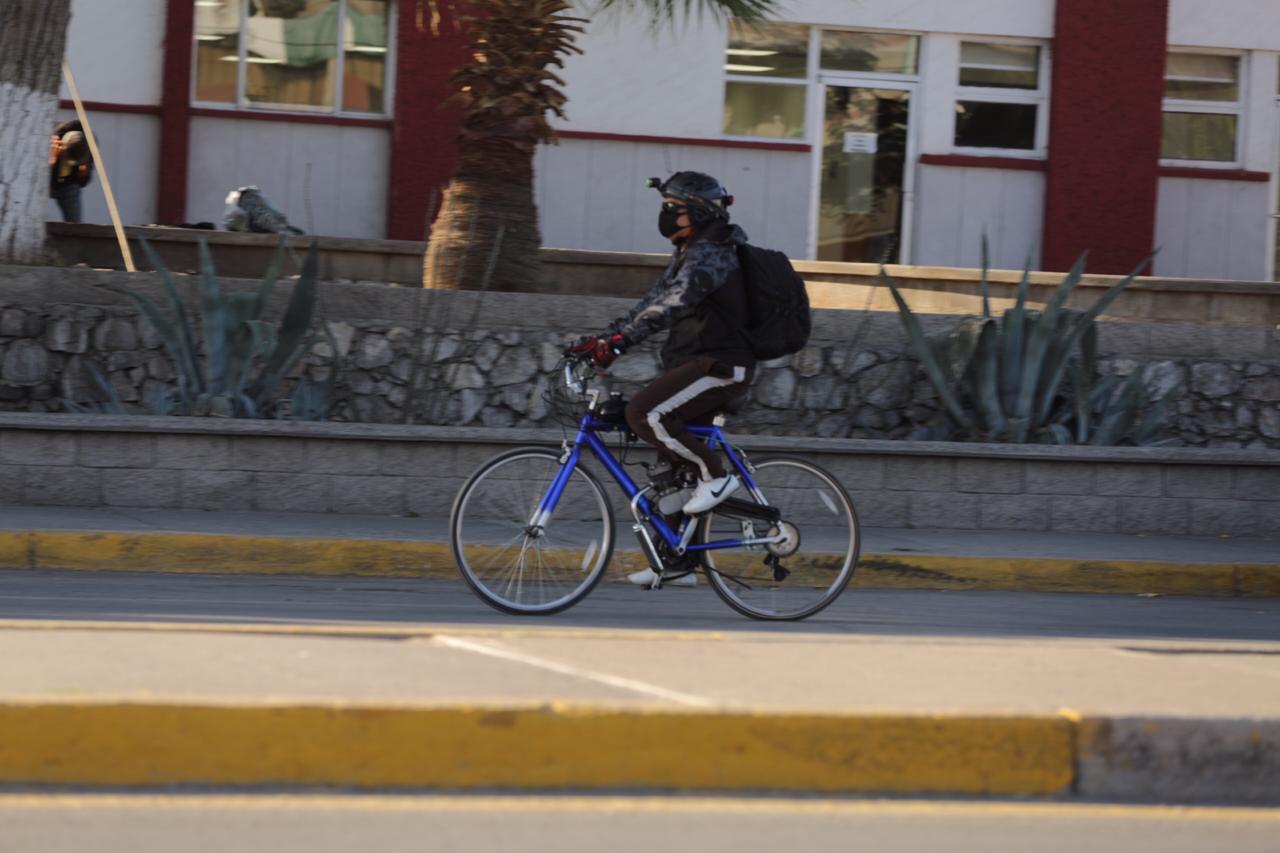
[814,556]
[518,559]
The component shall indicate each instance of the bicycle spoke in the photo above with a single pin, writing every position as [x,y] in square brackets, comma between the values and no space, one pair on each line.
[531,571]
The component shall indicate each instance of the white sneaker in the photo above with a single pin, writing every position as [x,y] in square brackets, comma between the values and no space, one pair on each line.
[646,577]
[711,492]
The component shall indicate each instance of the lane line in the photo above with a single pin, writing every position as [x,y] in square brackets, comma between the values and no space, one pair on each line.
[641,804]
[572,671]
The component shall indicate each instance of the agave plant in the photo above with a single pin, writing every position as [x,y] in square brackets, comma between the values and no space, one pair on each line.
[1031,376]
[111,404]
[246,358]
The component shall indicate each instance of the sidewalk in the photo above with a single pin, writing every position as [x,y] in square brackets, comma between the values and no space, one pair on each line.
[331,544]
[543,708]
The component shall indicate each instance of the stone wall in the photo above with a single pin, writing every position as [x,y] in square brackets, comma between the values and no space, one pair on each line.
[465,358]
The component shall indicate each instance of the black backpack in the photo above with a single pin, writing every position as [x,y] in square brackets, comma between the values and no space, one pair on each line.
[777,302]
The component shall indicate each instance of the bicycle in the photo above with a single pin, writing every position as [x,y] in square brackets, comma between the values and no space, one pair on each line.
[532,530]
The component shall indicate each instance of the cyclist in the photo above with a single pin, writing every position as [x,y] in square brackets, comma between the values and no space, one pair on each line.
[706,361]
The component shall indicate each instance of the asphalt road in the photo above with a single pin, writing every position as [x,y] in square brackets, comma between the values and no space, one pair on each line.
[307,600]
[485,824]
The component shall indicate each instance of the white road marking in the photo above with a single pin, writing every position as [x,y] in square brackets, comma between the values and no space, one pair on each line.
[573,671]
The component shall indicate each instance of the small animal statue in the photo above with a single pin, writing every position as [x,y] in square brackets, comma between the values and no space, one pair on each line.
[249,210]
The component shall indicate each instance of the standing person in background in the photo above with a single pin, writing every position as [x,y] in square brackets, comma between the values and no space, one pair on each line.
[70,167]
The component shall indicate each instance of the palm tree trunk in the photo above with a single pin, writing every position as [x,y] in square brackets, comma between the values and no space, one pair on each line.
[486,236]
[33,36]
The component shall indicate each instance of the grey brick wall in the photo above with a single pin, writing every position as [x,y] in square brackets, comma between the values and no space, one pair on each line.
[173,463]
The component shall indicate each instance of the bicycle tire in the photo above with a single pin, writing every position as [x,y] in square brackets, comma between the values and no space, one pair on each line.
[732,588]
[515,519]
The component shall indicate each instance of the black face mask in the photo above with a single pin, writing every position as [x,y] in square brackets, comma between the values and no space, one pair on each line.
[667,220]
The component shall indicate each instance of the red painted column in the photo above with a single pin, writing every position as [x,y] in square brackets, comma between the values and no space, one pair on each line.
[1104,132]
[175,113]
[424,151]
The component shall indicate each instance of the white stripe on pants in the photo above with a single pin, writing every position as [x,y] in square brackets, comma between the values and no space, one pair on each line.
[701,386]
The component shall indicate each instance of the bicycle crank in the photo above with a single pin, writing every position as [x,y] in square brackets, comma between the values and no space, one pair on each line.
[788,544]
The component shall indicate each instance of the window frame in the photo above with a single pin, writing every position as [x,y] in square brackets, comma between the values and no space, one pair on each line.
[1037,97]
[813,74]
[242,102]
[728,77]
[1235,108]
[886,76]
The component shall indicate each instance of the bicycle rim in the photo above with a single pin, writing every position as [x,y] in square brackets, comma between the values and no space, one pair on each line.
[518,568]
[811,568]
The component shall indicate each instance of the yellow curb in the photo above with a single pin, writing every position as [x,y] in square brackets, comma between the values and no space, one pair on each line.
[1126,577]
[222,554]
[557,747]
[233,554]
[15,549]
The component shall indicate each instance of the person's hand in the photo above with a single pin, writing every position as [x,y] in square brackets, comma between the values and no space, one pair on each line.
[600,349]
[55,148]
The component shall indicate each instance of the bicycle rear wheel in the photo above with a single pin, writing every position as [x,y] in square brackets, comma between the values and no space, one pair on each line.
[516,561]
[802,574]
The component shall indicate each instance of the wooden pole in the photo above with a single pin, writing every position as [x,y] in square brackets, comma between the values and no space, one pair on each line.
[101,166]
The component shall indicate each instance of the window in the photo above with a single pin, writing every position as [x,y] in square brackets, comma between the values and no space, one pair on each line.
[1001,97]
[309,55]
[875,53]
[767,68]
[1202,108]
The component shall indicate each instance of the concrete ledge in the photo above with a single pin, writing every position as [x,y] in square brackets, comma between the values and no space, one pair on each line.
[1178,759]
[278,466]
[205,553]
[142,424]
[109,742]
[943,290]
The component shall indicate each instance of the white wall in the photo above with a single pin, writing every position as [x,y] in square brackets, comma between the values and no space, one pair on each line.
[116,50]
[348,172]
[632,80]
[1027,18]
[591,193]
[1213,229]
[1245,24]
[1224,229]
[956,206]
[129,146]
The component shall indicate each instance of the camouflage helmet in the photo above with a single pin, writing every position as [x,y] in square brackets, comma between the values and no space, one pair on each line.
[707,198]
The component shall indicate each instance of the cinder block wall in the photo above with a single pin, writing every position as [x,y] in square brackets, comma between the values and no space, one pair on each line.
[99,460]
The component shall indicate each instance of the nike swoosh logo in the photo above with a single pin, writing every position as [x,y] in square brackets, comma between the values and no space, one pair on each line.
[722,488]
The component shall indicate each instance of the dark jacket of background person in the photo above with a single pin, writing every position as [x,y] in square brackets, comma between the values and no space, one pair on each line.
[66,169]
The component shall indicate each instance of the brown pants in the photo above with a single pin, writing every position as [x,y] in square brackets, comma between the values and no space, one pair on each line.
[691,393]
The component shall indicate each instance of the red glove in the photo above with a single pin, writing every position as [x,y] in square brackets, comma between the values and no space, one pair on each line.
[603,350]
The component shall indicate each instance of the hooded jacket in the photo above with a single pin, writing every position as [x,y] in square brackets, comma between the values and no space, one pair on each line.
[701,298]
[67,169]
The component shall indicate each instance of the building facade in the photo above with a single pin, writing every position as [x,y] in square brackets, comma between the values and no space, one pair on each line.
[851,131]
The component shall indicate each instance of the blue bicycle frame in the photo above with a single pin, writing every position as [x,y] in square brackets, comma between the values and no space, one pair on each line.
[588,436]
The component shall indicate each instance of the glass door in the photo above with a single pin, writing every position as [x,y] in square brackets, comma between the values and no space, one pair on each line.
[863,181]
